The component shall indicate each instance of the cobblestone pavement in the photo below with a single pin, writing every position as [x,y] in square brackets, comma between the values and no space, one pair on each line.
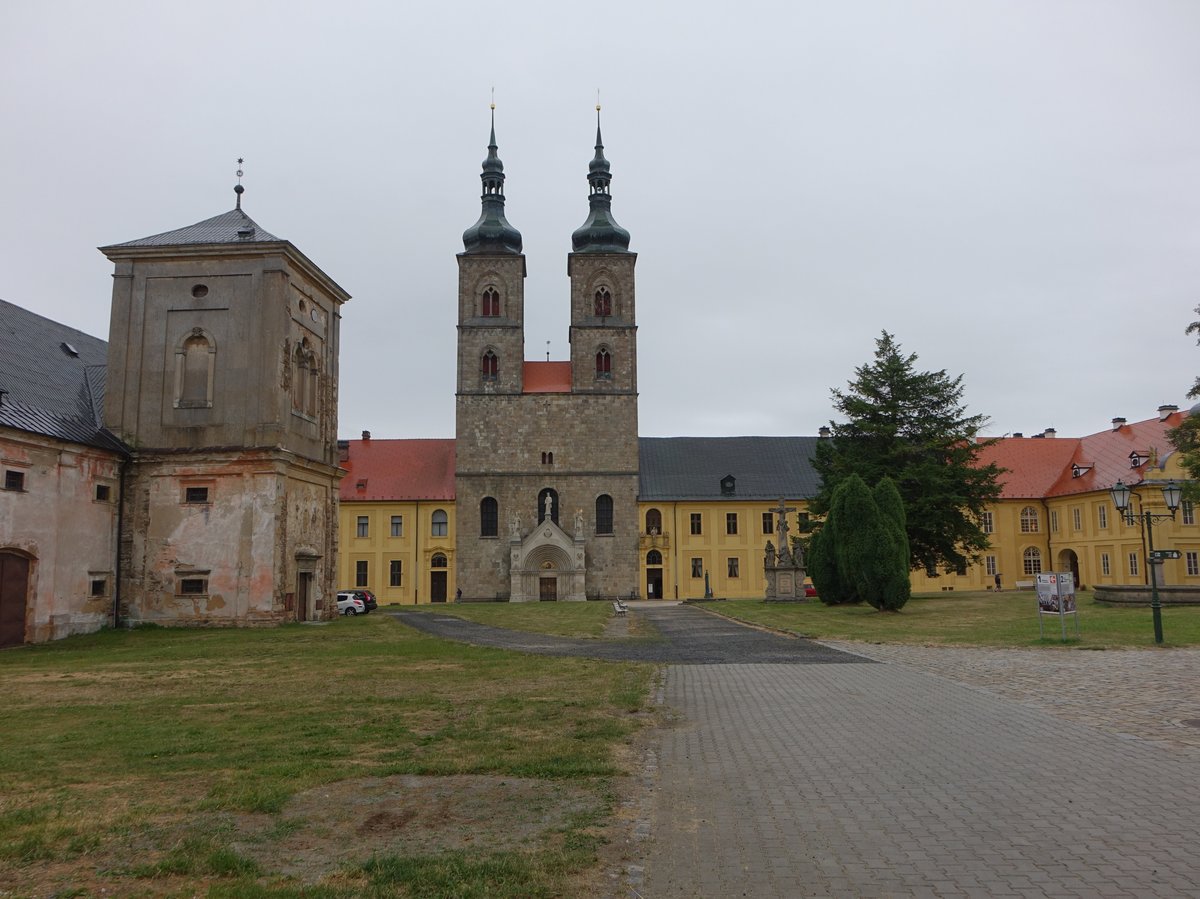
[940,772]
[897,779]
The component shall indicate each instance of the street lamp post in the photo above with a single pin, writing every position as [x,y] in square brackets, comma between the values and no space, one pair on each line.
[1171,495]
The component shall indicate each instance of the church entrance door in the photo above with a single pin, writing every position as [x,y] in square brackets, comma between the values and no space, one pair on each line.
[548,589]
[304,588]
[437,586]
[14,591]
[654,583]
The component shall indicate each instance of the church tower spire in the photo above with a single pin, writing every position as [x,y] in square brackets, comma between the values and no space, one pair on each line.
[600,233]
[492,234]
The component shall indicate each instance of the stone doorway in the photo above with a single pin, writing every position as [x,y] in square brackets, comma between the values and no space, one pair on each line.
[14,595]
[303,593]
[1069,561]
[548,589]
[437,586]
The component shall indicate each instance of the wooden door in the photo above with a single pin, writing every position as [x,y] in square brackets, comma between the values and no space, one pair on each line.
[14,593]
[549,588]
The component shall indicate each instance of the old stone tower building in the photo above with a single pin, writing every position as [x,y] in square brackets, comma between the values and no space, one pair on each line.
[222,381]
[546,476]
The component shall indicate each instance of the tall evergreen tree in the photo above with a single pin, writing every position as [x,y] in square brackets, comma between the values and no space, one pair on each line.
[912,426]
[891,506]
[867,550]
[1186,437]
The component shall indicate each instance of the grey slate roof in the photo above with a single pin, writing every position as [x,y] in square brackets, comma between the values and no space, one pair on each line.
[230,227]
[53,377]
[691,468]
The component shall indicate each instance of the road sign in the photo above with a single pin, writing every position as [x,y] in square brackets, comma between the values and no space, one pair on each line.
[1165,554]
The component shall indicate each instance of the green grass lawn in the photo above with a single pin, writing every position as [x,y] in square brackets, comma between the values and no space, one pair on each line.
[980,619]
[168,761]
[563,619]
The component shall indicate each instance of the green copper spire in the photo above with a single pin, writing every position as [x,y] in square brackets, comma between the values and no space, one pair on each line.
[600,233]
[492,234]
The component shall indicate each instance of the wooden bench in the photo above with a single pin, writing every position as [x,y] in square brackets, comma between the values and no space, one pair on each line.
[1024,585]
[619,607]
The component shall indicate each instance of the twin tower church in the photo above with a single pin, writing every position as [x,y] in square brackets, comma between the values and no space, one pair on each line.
[546,473]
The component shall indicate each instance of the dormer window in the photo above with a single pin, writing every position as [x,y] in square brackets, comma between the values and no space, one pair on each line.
[728,485]
[1137,459]
[1078,470]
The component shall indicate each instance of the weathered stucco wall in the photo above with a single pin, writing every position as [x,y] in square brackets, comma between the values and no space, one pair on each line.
[67,532]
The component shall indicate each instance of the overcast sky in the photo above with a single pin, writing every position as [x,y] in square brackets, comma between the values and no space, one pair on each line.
[1011,188]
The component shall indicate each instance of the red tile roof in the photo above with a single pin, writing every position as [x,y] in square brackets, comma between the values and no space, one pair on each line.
[399,470]
[547,377]
[1042,466]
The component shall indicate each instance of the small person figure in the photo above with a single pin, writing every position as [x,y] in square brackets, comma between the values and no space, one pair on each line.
[997,581]
[458,595]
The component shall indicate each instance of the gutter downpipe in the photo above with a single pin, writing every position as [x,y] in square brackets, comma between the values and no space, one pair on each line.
[120,537]
[1049,548]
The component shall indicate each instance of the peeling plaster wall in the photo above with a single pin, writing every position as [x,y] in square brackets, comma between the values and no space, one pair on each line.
[70,535]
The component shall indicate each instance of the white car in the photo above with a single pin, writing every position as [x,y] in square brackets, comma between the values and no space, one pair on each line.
[349,604]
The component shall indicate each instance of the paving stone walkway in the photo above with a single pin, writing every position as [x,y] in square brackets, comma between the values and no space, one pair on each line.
[915,771]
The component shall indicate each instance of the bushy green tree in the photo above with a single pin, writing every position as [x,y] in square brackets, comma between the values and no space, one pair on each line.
[891,506]
[912,426]
[821,561]
[1186,437]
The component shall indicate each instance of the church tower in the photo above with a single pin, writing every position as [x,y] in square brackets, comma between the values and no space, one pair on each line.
[547,455]
[222,378]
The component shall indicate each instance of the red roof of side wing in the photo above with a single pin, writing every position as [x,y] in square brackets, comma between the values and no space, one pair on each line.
[1108,453]
[399,470]
[1034,464]
[547,377]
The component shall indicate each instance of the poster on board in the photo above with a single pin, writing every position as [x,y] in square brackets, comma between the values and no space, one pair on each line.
[1056,592]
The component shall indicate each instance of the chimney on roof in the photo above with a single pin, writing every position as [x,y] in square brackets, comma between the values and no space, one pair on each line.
[1050,432]
[366,435]
[1018,434]
[823,431]
[1165,412]
[1118,423]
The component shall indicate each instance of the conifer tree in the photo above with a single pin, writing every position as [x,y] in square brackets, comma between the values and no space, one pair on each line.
[891,506]
[912,426]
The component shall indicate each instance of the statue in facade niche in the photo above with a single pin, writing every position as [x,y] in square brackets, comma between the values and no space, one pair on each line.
[514,525]
[579,522]
[549,516]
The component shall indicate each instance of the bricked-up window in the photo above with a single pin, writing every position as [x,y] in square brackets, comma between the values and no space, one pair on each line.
[490,305]
[490,366]
[396,573]
[696,527]
[1029,520]
[603,363]
[732,566]
[363,526]
[697,566]
[653,521]
[1105,565]
[439,524]
[193,586]
[489,517]
[731,522]
[1032,560]
[768,522]
[604,514]
[195,494]
[397,525]
[603,304]
[14,480]
[987,523]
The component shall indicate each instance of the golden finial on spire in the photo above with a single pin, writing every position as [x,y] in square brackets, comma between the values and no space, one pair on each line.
[597,99]
[493,98]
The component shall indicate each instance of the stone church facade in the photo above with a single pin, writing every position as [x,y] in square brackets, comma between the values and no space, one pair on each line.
[546,477]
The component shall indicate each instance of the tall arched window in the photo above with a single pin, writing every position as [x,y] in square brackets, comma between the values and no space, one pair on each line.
[490,366]
[490,303]
[604,514]
[1032,559]
[1029,520]
[540,514]
[489,517]
[653,521]
[603,304]
[654,557]
[603,363]
[195,359]
[439,524]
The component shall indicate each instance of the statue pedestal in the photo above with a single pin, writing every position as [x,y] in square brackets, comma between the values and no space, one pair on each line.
[784,574]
